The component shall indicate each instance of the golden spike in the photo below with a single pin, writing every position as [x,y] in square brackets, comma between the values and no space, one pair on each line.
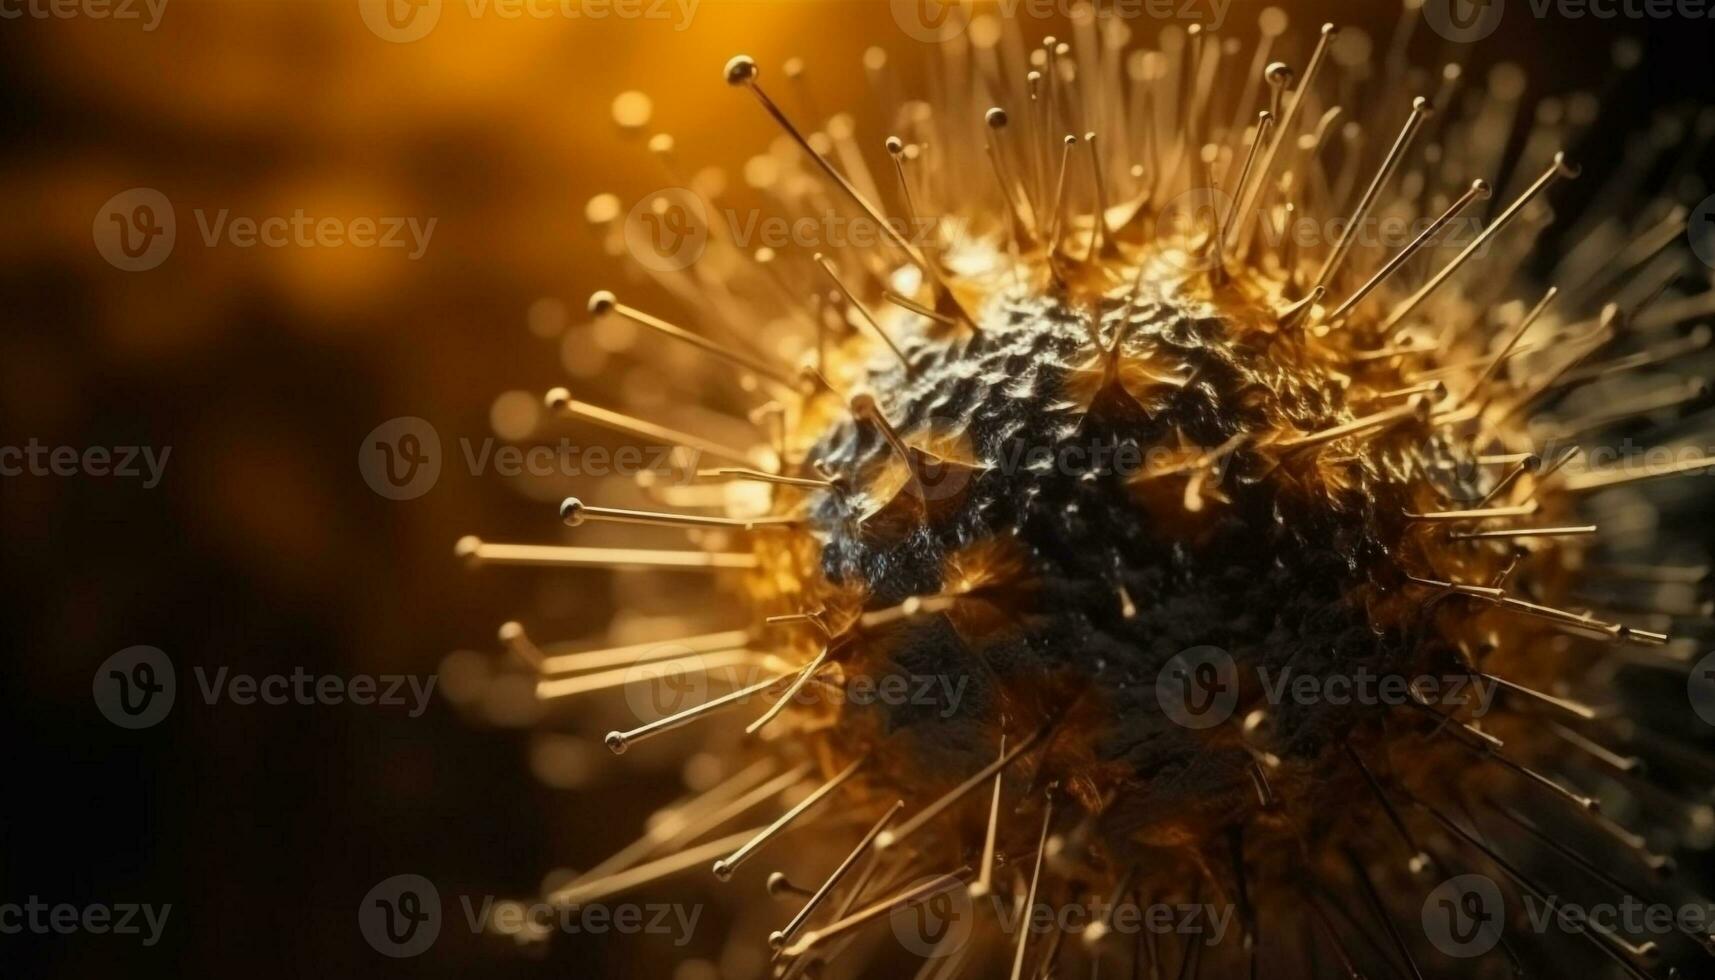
[1420,111]
[1103,926]
[1512,341]
[516,640]
[912,306]
[1649,357]
[582,893]
[1502,459]
[1622,763]
[1288,117]
[1524,532]
[742,71]
[1574,708]
[778,884]
[851,298]
[565,687]
[757,476]
[571,663]
[906,899]
[814,619]
[574,512]
[560,402]
[865,409]
[1479,514]
[797,685]
[1298,313]
[1558,169]
[480,552]
[722,809]
[1621,475]
[1271,24]
[683,820]
[1530,463]
[1264,124]
[996,119]
[1480,591]
[935,809]
[1099,236]
[1478,191]
[618,741]
[604,302]
[985,874]
[896,152]
[1035,881]
[1417,407]
[1435,390]
[724,867]
[1057,224]
[779,938]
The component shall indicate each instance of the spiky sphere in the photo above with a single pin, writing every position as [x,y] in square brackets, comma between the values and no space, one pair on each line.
[1118,482]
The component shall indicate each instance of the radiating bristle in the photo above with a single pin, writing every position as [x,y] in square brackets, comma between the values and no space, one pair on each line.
[1357,451]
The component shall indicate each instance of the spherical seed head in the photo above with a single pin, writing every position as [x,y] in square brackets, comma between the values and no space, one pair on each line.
[722,870]
[616,743]
[467,547]
[741,70]
[996,118]
[571,512]
[1074,583]
[601,301]
[511,631]
[557,399]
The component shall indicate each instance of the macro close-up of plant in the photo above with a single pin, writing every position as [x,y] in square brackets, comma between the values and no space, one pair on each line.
[865,489]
